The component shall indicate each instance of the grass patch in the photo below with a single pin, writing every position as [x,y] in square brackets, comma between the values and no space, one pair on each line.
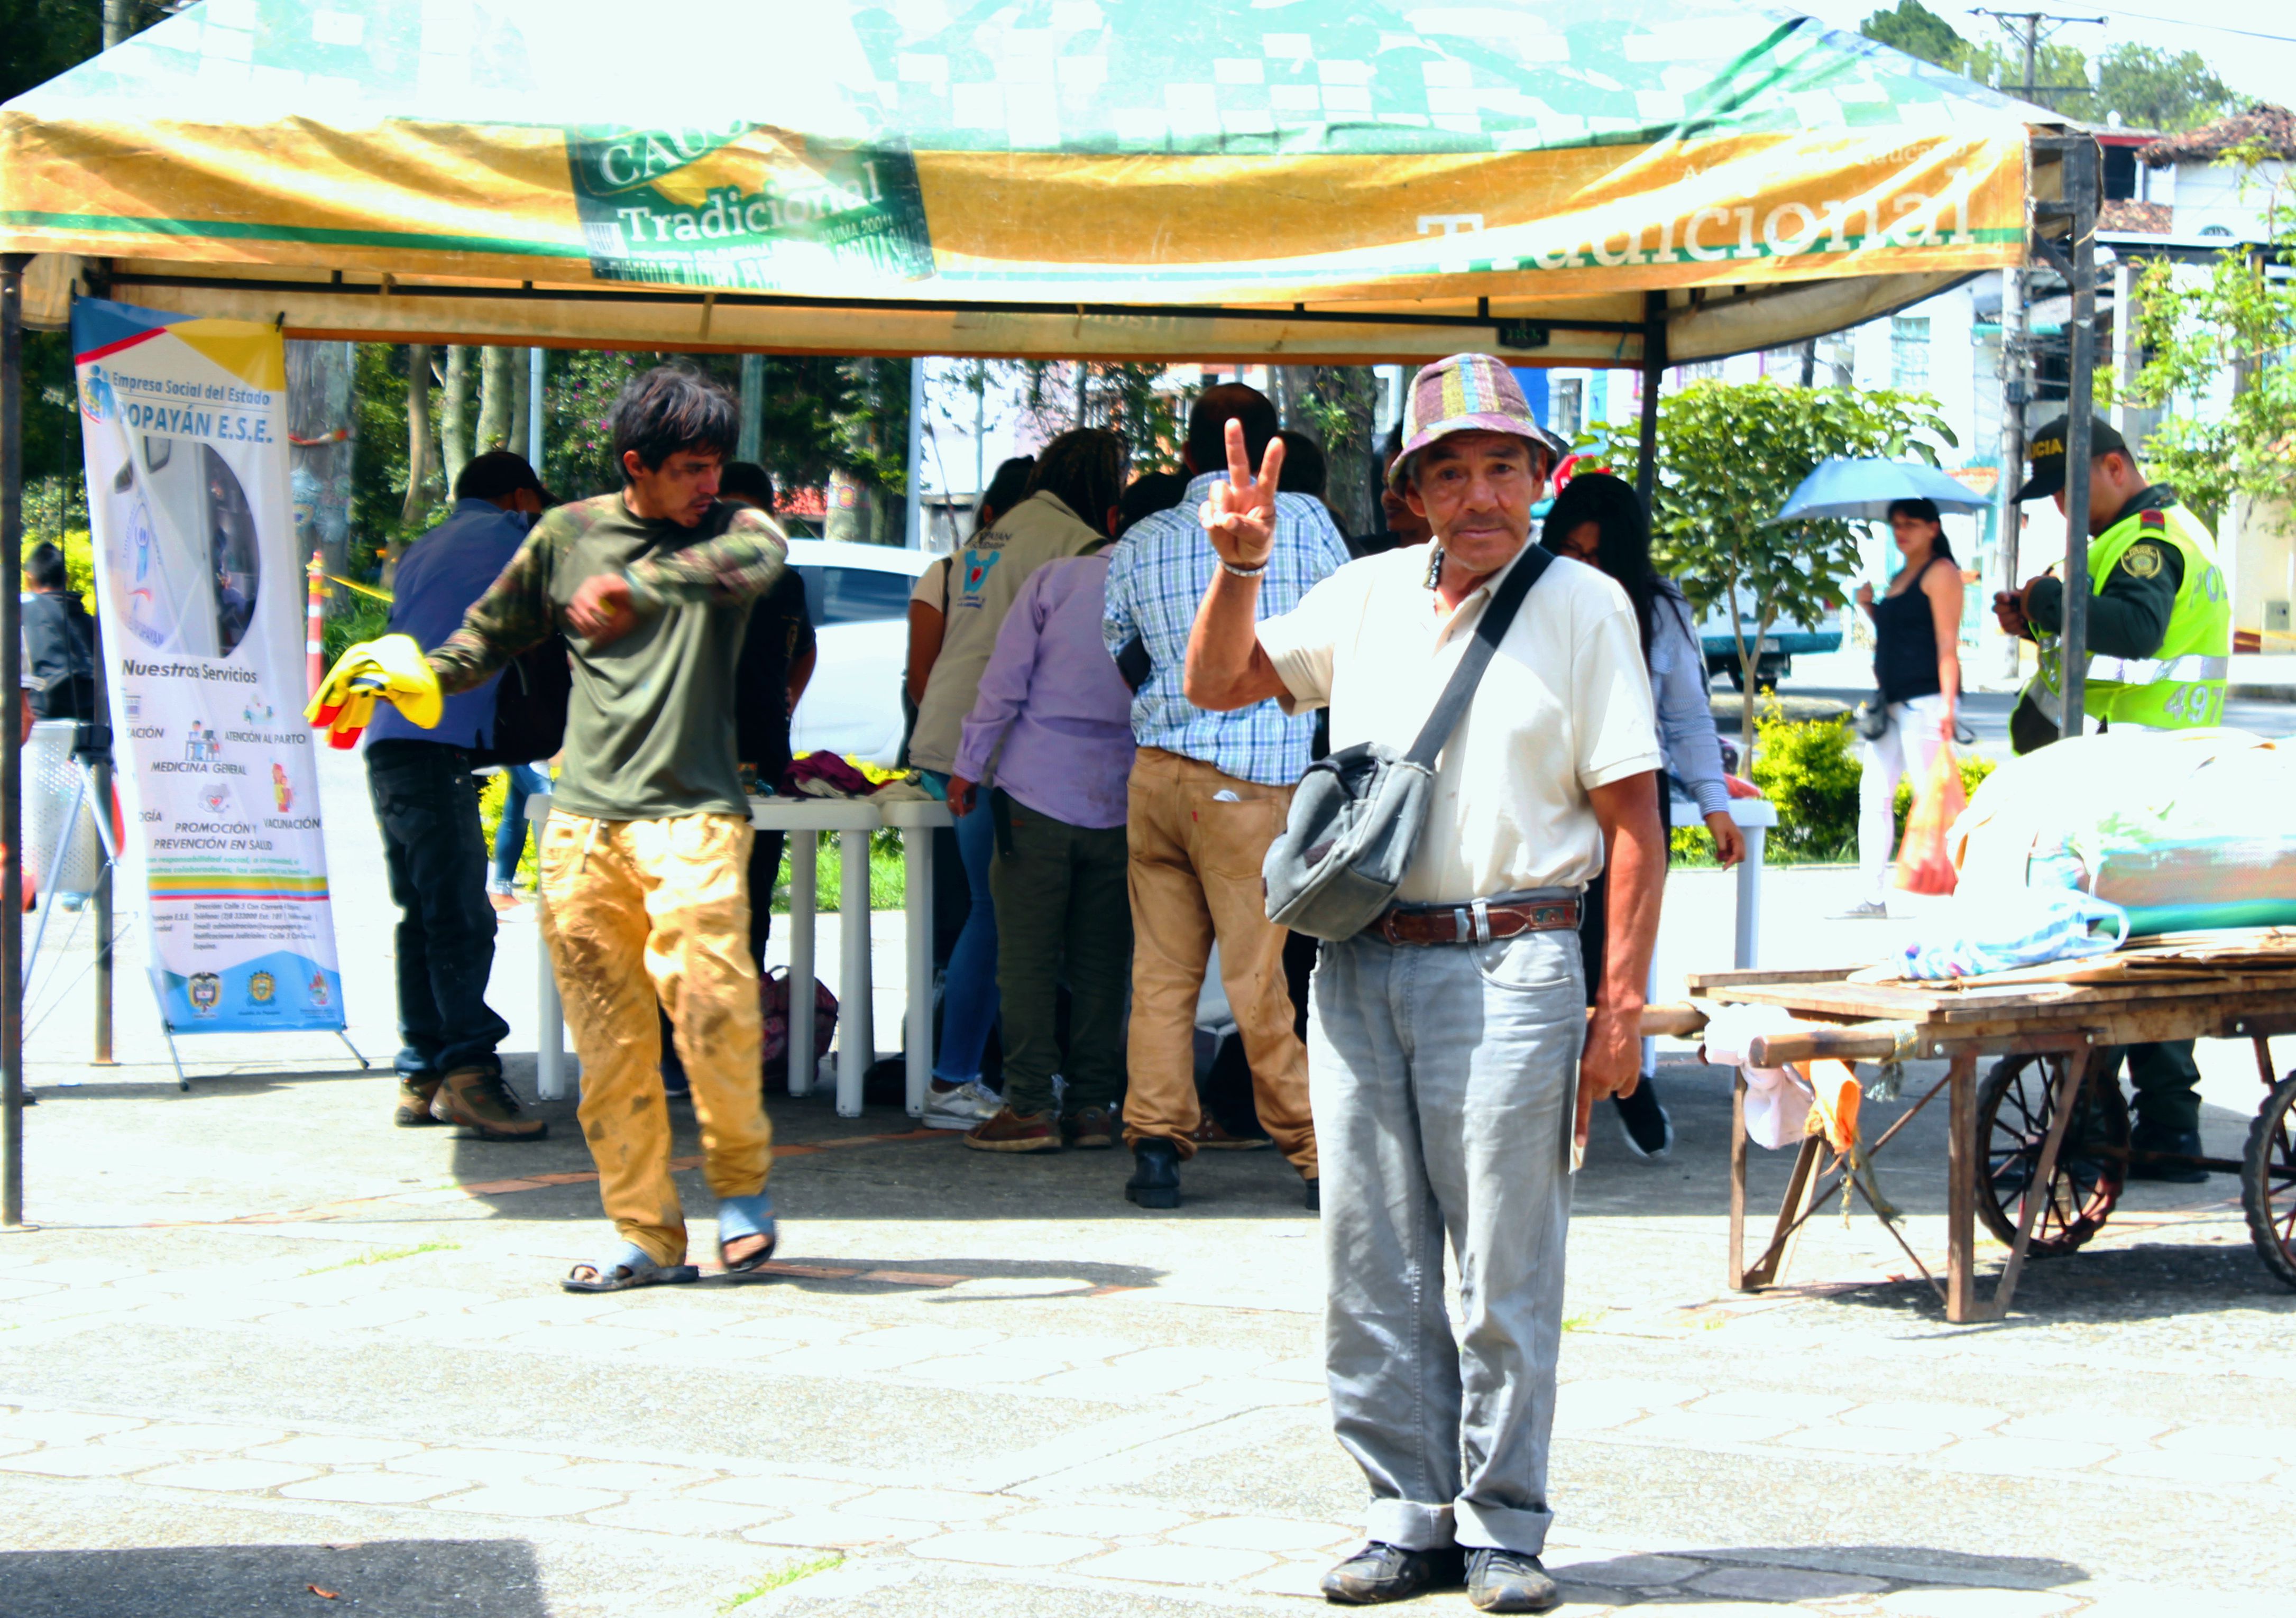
[1586,1322]
[387,1255]
[782,1578]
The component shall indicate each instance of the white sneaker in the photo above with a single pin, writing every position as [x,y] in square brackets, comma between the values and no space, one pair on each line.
[1865,910]
[962,1108]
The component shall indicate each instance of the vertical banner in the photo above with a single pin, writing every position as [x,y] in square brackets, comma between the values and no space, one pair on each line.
[199,588]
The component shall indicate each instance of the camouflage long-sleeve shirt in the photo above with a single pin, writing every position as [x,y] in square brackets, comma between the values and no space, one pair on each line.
[650,730]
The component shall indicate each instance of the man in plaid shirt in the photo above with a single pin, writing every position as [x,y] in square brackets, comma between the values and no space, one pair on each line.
[1208,793]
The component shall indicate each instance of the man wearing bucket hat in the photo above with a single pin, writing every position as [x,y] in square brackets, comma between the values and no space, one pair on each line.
[1448,1040]
[2159,648]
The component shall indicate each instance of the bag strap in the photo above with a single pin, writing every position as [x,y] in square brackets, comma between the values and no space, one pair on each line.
[1498,618]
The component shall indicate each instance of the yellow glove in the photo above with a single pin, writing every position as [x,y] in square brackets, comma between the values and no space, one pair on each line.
[392,669]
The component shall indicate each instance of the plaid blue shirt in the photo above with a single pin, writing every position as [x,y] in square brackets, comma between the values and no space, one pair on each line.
[1157,576]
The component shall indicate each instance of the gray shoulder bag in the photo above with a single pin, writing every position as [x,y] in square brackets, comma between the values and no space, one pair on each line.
[1357,816]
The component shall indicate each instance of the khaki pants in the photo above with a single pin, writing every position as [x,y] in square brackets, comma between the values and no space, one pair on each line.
[1194,876]
[636,912]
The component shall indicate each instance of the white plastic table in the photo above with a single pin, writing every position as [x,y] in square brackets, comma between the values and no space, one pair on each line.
[804,819]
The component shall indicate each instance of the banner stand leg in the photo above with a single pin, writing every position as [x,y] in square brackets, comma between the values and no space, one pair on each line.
[183,1083]
[345,1037]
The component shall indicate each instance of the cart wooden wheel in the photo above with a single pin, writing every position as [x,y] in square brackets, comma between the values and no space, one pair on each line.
[2015,1105]
[2268,1181]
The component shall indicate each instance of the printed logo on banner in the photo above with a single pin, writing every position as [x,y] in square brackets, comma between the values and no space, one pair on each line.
[740,205]
[318,988]
[282,794]
[206,991]
[217,799]
[261,987]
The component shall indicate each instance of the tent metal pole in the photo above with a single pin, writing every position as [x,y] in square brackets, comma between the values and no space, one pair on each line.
[12,752]
[1654,374]
[2082,161]
[100,776]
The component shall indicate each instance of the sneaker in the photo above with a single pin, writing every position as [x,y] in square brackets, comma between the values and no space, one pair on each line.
[1089,1128]
[1509,1581]
[1642,1120]
[1865,910]
[963,1106]
[2173,1143]
[1381,1572]
[502,899]
[1210,1137]
[1011,1131]
[485,1106]
[415,1097]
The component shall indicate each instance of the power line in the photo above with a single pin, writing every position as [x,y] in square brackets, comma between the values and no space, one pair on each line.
[2213,26]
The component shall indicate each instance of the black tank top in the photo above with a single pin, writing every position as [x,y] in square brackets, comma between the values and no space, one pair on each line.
[1905,642]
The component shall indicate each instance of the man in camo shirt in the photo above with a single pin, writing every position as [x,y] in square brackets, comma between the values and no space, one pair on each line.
[644,890]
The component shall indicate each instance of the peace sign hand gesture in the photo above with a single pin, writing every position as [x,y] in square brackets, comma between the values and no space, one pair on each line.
[1241,514]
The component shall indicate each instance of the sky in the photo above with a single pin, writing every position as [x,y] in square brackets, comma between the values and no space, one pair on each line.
[2262,68]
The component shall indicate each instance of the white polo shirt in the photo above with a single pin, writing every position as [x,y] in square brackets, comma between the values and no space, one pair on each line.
[1563,706]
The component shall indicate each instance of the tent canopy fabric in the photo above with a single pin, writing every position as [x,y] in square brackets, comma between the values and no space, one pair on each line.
[1306,180]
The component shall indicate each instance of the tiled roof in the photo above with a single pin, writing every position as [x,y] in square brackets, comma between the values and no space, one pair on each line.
[2275,126]
[2140,218]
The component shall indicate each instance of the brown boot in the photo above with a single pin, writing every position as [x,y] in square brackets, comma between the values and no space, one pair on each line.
[415,1097]
[483,1105]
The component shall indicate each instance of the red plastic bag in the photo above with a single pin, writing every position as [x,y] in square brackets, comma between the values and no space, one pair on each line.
[774,1001]
[1923,866]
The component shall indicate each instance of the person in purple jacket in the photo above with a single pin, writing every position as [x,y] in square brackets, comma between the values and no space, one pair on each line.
[1052,728]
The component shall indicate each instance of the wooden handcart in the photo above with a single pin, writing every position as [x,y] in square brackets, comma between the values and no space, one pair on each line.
[2039,1147]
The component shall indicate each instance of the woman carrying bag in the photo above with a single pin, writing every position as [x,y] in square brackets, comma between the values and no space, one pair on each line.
[1917,665]
[1598,520]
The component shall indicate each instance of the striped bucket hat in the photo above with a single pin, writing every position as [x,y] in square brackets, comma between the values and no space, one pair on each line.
[1465,393]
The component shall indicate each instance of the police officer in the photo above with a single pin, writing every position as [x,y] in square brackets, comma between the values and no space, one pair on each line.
[2159,648]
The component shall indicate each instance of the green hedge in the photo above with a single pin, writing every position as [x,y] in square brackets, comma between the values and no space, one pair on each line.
[1810,770]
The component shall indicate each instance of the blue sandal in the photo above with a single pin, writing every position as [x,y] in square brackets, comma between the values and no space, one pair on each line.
[746,1216]
[631,1268]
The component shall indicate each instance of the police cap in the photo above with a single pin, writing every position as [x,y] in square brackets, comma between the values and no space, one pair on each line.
[2047,455]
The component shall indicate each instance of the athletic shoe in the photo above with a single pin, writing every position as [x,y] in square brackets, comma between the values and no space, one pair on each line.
[415,1097]
[1381,1572]
[1865,910]
[964,1106]
[1089,1128]
[482,1103]
[1509,1581]
[1011,1131]
[1642,1120]
[2180,1143]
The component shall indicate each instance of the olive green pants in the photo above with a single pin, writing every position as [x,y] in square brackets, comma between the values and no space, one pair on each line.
[1062,916]
[641,913]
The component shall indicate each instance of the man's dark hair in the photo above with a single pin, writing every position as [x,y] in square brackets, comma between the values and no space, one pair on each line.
[1390,447]
[1007,489]
[746,481]
[1304,471]
[1151,492]
[1084,468]
[668,409]
[494,474]
[1207,425]
[44,565]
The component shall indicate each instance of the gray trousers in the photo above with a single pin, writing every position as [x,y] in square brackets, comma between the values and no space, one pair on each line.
[1443,1078]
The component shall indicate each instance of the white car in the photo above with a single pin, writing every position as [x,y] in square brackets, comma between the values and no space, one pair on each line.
[858,596]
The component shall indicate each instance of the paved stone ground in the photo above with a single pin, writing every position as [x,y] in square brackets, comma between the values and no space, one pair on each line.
[263,1342]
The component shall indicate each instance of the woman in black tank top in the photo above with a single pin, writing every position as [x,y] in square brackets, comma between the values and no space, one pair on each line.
[1917,665]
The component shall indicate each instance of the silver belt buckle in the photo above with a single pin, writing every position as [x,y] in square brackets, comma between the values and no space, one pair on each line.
[1482,912]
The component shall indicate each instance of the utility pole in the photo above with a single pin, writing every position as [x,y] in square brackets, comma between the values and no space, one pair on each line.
[115,23]
[2026,28]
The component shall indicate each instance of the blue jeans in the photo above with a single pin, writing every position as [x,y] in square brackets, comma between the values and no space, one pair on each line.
[968,1002]
[509,836]
[427,804]
[1444,1078]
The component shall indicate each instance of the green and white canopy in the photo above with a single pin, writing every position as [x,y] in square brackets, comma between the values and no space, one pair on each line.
[1302,180]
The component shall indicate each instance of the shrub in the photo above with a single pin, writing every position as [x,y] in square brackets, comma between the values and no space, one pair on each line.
[1809,769]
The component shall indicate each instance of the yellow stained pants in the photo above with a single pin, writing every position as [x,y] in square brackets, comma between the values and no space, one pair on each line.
[633,911]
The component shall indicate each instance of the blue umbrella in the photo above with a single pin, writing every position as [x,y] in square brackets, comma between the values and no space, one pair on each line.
[1863,490]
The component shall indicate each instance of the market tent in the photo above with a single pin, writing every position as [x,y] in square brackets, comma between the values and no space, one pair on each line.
[1622,182]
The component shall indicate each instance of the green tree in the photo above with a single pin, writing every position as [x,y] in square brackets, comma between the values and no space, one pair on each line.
[1918,31]
[2152,89]
[2237,320]
[1729,455]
